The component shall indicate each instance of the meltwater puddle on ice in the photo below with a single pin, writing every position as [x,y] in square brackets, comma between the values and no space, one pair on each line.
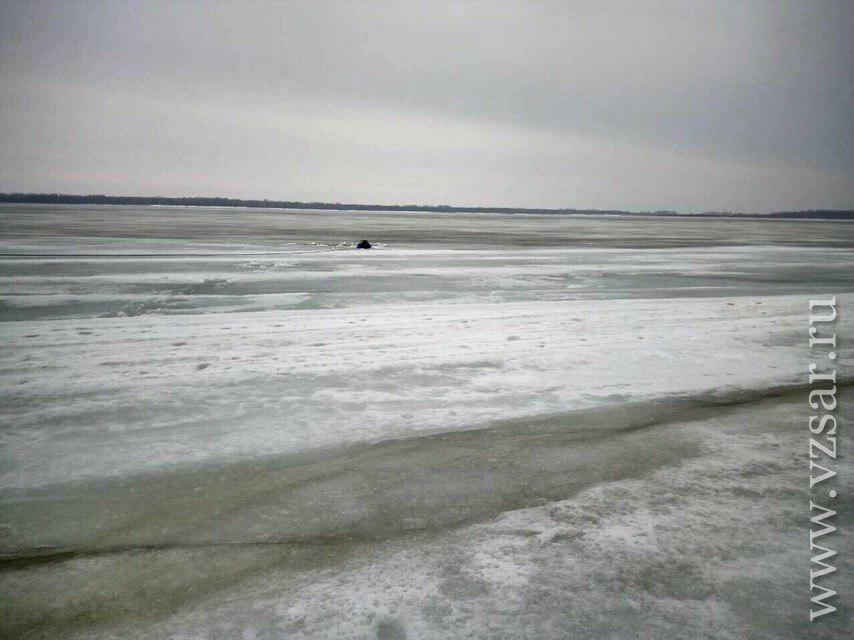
[361,492]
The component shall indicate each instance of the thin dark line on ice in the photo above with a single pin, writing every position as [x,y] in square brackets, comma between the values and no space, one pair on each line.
[168,255]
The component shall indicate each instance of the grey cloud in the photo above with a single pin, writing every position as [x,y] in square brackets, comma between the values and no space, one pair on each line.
[728,88]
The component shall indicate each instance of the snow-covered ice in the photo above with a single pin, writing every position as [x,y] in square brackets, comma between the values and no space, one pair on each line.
[231,424]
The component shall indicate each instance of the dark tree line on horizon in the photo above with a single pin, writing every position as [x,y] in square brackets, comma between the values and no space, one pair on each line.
[98,199]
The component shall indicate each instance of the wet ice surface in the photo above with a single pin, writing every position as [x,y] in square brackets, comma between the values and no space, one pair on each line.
[222,423]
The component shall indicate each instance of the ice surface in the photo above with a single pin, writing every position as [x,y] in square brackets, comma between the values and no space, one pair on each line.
[223,423]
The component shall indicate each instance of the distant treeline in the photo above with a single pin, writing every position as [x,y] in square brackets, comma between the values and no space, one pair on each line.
[62,198]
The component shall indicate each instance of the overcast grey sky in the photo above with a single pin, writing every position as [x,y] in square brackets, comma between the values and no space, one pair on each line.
[692,105]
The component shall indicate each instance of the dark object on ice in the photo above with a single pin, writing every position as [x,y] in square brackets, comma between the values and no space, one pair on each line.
[364,244]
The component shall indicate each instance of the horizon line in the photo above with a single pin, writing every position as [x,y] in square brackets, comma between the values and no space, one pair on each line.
[256,203]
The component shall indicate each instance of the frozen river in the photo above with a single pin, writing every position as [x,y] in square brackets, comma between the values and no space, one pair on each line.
[229,423]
